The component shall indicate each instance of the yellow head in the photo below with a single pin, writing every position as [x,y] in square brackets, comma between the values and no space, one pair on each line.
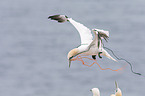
[118,92]
[71,54]
[95,92]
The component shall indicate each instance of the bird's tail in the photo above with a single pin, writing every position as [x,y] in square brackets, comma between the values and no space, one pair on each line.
[105,53]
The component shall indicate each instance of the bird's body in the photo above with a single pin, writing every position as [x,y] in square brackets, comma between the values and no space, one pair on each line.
[89,45]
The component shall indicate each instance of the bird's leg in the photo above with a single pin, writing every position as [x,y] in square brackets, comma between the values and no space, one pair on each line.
[94,57]
[99,54]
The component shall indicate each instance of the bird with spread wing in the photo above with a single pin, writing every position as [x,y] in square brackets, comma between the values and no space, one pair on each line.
[89,45]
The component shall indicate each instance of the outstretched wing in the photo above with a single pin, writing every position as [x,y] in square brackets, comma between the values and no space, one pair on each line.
[85,33]
[59,18]
[103,34]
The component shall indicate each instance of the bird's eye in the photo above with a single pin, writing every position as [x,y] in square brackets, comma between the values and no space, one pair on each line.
[116,90]
[71,57]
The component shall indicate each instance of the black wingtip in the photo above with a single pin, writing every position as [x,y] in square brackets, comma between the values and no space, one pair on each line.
[48,17]
[53,16]
[58,18]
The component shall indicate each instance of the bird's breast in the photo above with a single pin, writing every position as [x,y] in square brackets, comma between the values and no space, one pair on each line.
[92,51]
[85,49]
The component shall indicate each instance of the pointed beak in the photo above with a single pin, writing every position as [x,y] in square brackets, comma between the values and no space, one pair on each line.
[69,62]
[116,85]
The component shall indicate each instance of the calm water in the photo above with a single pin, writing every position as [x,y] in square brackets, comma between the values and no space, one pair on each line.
[33,50]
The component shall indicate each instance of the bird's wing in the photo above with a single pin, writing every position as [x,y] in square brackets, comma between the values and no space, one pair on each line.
[103,34]
[99,35]
[85,33]
[96,42]
[105,53]
[59,18]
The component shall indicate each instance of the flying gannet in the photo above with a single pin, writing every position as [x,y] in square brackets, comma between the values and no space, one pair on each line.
[95,92]
[88,46]
[117,91]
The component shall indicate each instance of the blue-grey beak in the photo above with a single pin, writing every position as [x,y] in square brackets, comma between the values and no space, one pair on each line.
[69,62]
[116,85]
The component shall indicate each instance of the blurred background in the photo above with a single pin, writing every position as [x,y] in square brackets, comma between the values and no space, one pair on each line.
[33,49]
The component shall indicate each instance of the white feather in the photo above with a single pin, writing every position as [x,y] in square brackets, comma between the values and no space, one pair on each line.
[85,33]
[103,32]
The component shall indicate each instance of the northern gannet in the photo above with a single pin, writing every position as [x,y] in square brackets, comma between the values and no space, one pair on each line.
[95,92]
[117,91]
[88,46]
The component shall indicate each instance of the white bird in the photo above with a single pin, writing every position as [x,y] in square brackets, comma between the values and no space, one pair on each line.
[117,91]
[95,92]
[88,46]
